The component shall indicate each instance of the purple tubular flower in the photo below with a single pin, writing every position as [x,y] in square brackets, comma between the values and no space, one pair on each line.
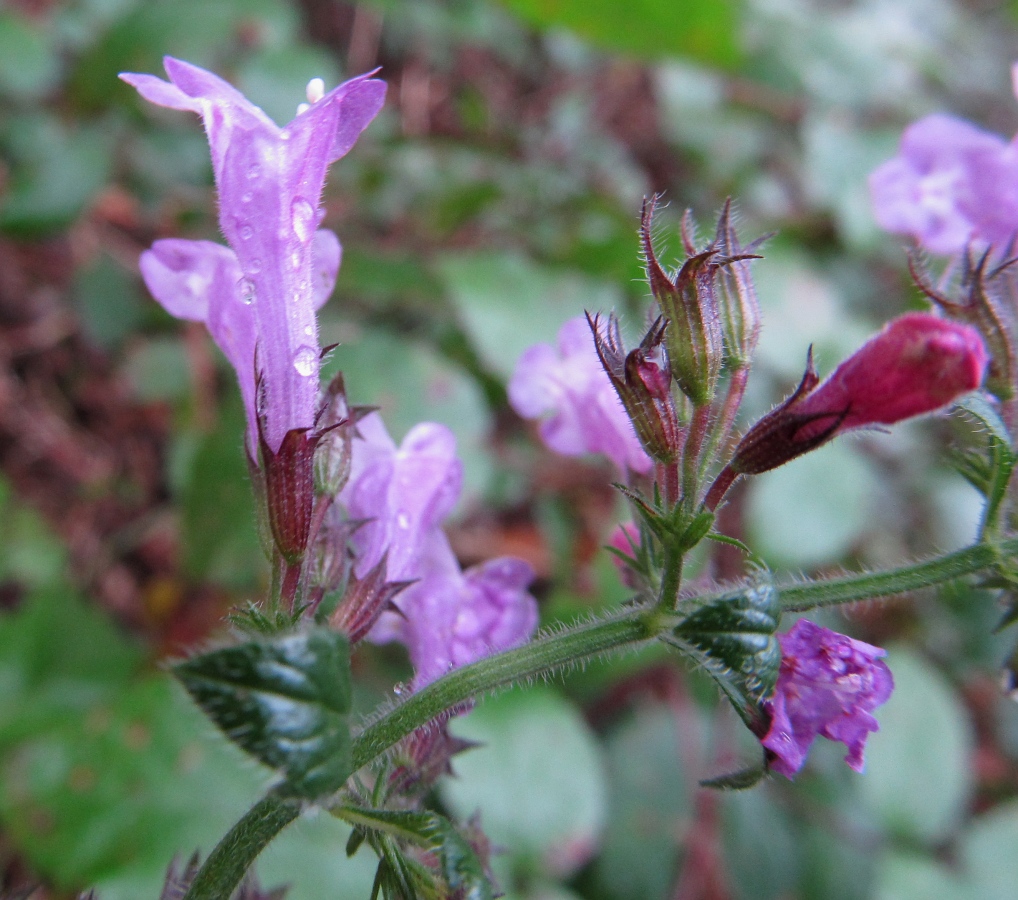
[569,383]
[202,281]
[951,185]
[269,181]
[447,617]
[402,494]
[828,685]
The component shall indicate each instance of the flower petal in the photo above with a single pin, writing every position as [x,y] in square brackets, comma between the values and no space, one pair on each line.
[326,255]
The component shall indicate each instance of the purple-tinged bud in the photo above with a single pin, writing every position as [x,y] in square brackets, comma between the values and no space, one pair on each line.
[738,306]
[643,384]
[828,685]
[290,490]
[425,755]
[986,296]
[364,600]
[337,424]
[917,364]
[693,335]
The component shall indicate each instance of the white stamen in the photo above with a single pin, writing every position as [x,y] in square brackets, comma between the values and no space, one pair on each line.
[315,90]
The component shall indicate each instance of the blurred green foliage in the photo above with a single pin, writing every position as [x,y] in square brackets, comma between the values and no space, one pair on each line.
[495,198]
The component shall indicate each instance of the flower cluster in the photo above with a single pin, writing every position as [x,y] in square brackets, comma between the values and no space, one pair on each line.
[332,480]
[679,392]
[446,617]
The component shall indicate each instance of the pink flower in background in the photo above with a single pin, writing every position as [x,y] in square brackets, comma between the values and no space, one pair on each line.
[828,685]
[951,184]
[568,389]
[259,297]
[447,617]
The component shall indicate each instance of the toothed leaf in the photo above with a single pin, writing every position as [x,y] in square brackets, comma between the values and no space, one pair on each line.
[733,638]
[284,700]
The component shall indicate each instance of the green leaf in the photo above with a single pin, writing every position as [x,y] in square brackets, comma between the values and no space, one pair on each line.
[460,866]
[285,701]
[918,766]
[28,64]
[539,781]
[989,474]
[737,781]
[733,638]
[650,29]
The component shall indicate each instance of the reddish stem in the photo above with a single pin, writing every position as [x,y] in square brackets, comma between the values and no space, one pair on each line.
[726,478]
[667,477]
[733,400]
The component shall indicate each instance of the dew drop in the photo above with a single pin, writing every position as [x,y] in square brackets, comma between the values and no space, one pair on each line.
[247,291]
[295,260]
[403,520]
[255,266]
[246,198]
[304,361]
[302,216]
[246,232]
[308,331]
[254,171]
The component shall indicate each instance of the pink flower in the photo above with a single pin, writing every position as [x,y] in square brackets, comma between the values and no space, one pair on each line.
[828,685]
[567,387]
[447,617]
[261,294]
[951,184]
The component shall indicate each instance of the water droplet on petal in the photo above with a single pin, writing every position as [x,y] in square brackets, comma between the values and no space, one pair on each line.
[295,260]
[247,291]
[304,361]
[315,90]
[308,331]
[256,266]
[302,216]
[246,232]
[254,171]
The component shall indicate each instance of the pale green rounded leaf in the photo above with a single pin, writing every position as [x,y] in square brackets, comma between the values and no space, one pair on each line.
[918,780]
[538,781]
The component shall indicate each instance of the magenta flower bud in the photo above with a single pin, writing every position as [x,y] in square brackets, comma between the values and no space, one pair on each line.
[567,387]
[260,299]
[642,383]
[917,364]
[828,685]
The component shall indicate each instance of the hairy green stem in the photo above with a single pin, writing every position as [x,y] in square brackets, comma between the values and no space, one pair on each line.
[850,588]
[545,654]
[225,867]
[223,870]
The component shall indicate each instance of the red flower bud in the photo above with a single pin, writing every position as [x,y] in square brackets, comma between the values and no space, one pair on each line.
[918,363]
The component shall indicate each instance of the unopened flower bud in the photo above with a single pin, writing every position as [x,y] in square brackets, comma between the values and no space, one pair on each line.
[693,335]
[738,306]
[364,601]
[289,491]
[643,384]
[986,296]
[918,363]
